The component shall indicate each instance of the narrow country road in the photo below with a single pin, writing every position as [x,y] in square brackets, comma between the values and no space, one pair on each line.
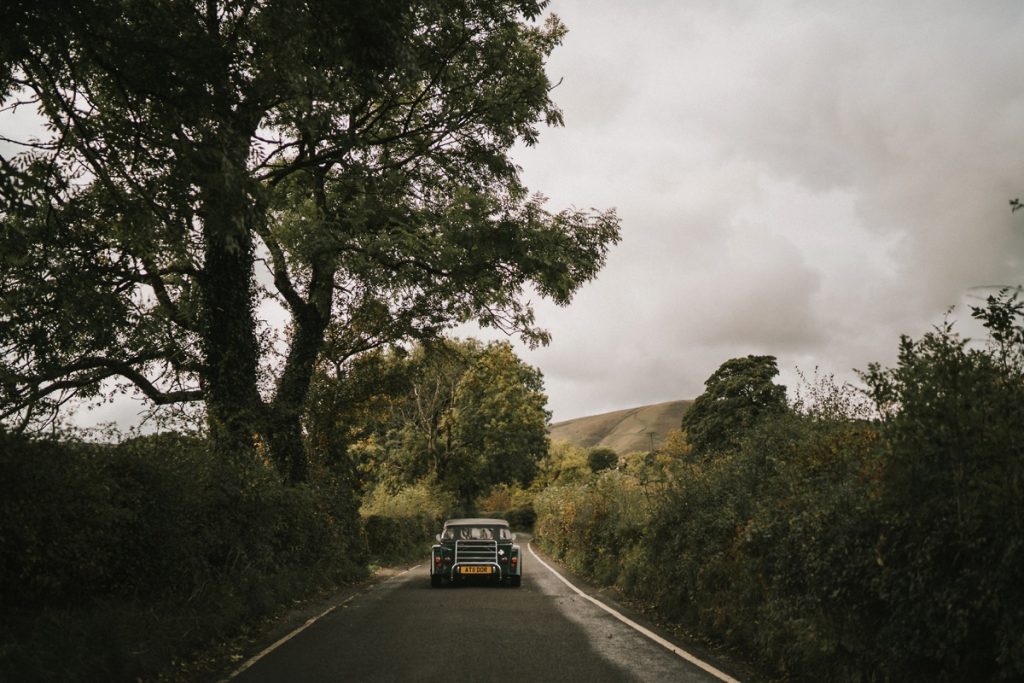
[404,630]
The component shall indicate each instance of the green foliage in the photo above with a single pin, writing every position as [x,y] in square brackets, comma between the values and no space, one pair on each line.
[741,547]
[519,517]
[422,497]
[954,465]
[404,430]
[459,414]
[499,420]
[593,524]
[502,497]
[564,463]
[509,502]
[117,558]
[832,547]
[355,154]
[601,459]
[404,538]
[737,396]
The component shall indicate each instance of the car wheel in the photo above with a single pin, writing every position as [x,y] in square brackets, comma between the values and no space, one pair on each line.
[515,581]
[436,581]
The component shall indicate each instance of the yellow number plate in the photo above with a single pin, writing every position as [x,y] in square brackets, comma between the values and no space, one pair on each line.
[476,570]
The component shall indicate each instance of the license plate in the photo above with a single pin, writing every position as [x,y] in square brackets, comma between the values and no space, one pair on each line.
[475,570]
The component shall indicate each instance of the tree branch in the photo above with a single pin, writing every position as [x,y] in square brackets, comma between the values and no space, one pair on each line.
[153,279]
[96,369]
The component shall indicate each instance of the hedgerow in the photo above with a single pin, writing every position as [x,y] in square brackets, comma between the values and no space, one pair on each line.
[117,559]
[830,547]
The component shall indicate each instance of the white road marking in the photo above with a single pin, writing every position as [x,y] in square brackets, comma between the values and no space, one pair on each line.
[309,622]
[285,639]
[720,675]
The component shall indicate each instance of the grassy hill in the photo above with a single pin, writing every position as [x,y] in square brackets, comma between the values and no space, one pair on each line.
[624,431]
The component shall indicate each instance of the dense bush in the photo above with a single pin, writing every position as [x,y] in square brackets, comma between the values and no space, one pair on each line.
[590,524]
[424,497]
[830,547]
[771,547]
[564,463]
[398,539]
[953,552]
[523,517]
[114,559]
[509,502]
[398,525]
[601,458]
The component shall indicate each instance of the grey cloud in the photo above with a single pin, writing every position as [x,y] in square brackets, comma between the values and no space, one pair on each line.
[807,179]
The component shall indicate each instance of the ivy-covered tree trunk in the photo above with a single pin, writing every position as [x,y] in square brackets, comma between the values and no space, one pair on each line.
[228,328]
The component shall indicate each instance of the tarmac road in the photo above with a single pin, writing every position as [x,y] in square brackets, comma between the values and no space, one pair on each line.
[403,630]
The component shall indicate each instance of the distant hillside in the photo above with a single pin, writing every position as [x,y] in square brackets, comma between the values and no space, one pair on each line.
[624,431]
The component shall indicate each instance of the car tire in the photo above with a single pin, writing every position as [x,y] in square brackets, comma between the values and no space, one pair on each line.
[436,581]
[515,581]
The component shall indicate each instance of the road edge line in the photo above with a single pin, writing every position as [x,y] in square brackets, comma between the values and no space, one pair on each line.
[281,641]
[309,622]
[674,649]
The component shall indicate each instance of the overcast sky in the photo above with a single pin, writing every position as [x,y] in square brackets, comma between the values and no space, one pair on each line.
[802,179]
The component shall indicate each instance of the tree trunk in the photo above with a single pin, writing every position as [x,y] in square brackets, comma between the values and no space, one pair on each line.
[233,404]
[310,321]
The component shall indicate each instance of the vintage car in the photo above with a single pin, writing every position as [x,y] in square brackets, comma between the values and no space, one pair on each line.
[476,549]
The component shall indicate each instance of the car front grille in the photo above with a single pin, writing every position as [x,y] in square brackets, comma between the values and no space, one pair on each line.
[471,552]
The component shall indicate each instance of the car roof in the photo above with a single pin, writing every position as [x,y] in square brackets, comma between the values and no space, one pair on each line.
[476,521]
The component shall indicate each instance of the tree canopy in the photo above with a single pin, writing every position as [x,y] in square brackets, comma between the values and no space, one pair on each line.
[500,421]
[736,397]
[211,162]
[459,414]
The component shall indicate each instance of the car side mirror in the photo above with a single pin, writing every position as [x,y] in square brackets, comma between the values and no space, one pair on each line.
[438,537]
[513,538]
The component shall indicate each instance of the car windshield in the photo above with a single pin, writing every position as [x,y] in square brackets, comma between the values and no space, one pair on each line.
[476,533]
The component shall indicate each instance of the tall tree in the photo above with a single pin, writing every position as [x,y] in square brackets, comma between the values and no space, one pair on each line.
[348,161]
[499,420]
[461,414]
[421,429]
[737,396]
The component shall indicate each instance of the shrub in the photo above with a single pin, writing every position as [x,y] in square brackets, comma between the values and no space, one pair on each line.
[390,540]
[953,552]
[588,524]
[565,463]
[398,525]
[117,558]
[511,503]
[831,547]
[602,459]
[424,497]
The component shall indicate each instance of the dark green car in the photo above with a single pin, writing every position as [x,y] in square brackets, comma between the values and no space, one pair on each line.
[476,549]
